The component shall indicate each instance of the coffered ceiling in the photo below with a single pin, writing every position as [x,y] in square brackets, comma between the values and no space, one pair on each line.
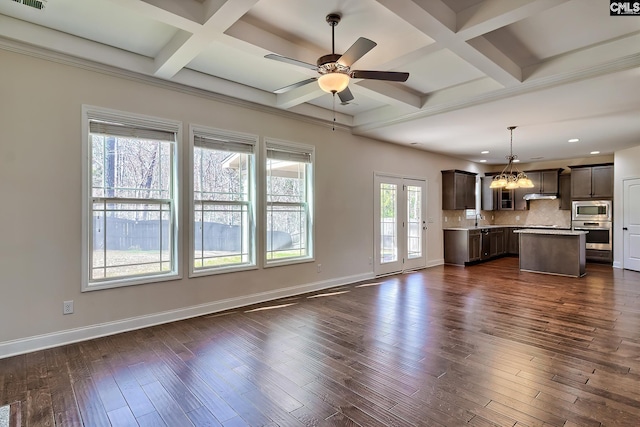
[557,69]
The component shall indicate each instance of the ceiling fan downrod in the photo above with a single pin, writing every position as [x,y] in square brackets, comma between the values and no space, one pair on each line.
[333,19]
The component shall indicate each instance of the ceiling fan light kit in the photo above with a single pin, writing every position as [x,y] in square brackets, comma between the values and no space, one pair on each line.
[509,178]
[335,69]
[333,82]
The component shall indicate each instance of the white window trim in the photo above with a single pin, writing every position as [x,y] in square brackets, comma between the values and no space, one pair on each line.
[90,112]
[295,146]
[204,130]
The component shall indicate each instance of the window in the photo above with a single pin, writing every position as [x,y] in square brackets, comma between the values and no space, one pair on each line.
[289,213]
[223,201]
[130,229]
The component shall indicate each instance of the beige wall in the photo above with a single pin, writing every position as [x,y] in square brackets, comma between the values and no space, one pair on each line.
[41,214]
[626,166]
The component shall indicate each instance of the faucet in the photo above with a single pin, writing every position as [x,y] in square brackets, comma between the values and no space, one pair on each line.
[480,216]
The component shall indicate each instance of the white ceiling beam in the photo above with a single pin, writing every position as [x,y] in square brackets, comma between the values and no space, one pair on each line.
[490,15]
[496,56]
[430,17]
[58,41]
[180,50]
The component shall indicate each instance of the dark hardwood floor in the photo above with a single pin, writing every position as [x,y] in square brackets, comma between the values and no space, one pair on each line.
[483,345]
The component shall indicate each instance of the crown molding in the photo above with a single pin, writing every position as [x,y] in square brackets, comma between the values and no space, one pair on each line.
[69,60]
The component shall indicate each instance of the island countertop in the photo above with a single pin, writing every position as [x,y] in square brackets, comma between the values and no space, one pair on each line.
[556,232]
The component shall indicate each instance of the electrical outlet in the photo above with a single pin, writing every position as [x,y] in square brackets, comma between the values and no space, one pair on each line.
[446,219]
[319,268]
[67,307]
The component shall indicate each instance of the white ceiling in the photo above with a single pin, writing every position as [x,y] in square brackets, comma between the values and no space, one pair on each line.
[557,69]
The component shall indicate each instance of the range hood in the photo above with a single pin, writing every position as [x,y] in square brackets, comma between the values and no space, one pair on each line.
[538,196]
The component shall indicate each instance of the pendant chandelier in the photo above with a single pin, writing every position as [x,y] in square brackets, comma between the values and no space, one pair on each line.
[511,177]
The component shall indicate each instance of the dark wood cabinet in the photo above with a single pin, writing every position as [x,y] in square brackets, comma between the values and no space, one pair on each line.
[475,246]
[496,242]
[512,240]
[602,182]
[592,182]
[544,182]
[581,183]
[505,199]
[489,196]
[493,199]
[519,203]
[564,191]
[462,246]
[458,190]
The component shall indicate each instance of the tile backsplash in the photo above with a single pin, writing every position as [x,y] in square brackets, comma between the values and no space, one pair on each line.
[541,212]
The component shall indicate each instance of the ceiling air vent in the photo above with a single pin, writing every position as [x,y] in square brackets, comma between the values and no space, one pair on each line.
[37,4]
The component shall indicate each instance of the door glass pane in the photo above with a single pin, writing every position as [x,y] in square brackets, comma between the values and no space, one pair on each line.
[414,220]
[388,223]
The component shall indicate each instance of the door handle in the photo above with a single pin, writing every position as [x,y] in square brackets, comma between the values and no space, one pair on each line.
[625,228]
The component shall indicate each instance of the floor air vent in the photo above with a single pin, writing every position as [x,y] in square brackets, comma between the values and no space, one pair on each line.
[37,4]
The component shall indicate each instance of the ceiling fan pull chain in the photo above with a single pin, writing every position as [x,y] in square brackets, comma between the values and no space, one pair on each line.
[334,112]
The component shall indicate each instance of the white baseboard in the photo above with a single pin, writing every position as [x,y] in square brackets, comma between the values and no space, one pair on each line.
[617,264]
[55,339]
[435,262]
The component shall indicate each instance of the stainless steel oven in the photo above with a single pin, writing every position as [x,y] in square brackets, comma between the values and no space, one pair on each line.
[599,234]
[591,210]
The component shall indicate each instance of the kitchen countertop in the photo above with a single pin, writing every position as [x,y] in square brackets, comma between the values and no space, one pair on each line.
[481,227]
[551,232]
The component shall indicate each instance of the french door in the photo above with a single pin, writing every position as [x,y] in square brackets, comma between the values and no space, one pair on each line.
[631,221]
[400,224]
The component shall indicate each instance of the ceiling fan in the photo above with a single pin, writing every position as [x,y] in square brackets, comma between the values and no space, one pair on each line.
[335,69]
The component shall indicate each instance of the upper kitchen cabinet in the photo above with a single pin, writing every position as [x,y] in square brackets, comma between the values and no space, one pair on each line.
[564,191]
[495,199]
[489,196]
[458,190]
[544,181]
[592,181]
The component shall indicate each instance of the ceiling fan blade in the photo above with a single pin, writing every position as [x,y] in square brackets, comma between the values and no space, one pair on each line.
[356,51]
[345,96]
[380,75]
[295,85]
[291,61]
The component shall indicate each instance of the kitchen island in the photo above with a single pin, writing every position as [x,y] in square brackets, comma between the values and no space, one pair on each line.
[561,252]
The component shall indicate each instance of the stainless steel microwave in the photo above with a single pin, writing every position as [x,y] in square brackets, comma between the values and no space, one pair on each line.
[591,210]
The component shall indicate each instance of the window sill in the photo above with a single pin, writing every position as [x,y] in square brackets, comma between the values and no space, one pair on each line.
[222,270]
[269,264]
[120,283]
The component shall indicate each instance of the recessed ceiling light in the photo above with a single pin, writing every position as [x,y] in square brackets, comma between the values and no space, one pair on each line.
[516,161]
[595,152]
[484,152]
[574,140]
[483,161]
